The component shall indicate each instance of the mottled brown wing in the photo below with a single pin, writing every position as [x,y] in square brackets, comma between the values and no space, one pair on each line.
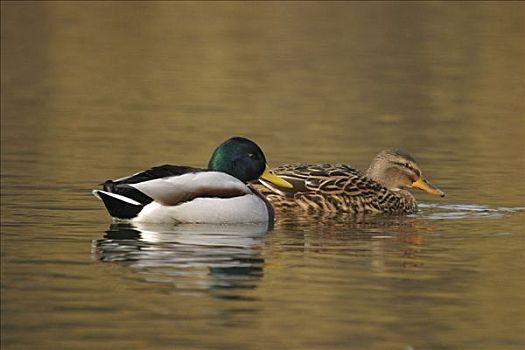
[316,177]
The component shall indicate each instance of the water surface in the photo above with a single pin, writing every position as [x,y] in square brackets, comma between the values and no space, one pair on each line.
[92,91]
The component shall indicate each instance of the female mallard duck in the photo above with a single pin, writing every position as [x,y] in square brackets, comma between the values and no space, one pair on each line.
[219,194]
[338,188]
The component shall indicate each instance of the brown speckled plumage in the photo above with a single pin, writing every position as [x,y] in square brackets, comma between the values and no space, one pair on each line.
[339,188]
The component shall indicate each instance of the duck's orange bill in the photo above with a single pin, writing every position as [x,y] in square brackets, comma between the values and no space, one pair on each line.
[270,176]
[426,186]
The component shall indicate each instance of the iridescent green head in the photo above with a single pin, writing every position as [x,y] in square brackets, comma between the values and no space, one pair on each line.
[243,159]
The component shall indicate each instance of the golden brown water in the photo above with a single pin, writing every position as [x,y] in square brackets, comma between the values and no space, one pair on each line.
[99,90]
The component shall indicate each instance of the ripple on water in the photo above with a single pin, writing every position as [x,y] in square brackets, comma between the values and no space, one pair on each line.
[463,211]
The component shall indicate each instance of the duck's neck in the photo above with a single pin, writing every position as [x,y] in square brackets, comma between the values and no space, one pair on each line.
[372,175]
[388,177]
[380,175]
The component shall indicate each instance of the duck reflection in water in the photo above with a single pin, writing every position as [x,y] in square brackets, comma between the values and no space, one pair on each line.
[381,237]
[193,257]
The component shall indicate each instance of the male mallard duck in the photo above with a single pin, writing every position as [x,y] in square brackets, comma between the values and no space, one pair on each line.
[338,188]
[219,194]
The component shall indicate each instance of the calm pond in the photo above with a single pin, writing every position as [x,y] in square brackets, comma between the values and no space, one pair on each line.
[99,90]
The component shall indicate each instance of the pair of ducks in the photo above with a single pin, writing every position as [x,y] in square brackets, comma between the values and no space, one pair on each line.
[227,192]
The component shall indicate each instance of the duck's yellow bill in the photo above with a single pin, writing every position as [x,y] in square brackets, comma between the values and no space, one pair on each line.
[268,175]
[426,186]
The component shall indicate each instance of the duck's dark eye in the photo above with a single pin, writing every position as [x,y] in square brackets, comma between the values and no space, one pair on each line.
[251,155]
[407,166]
